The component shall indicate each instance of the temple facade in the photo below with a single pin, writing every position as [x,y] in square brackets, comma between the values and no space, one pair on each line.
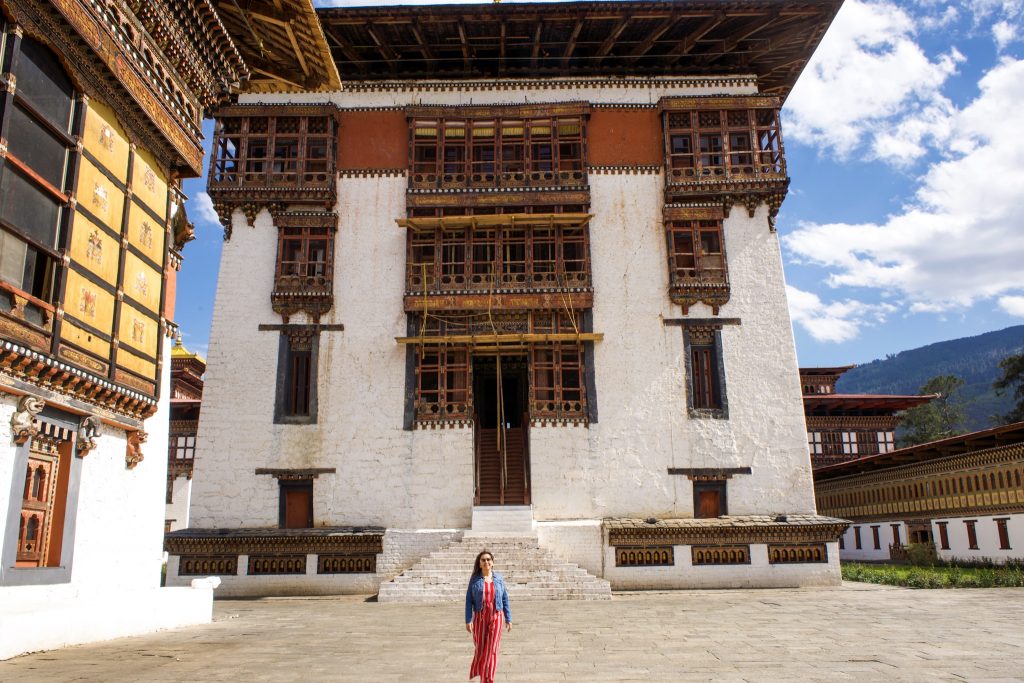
[100,118]
[962,496]
[187,370]
[842,427]
[521,272]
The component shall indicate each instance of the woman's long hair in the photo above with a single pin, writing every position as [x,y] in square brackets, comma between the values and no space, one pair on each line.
[476,564]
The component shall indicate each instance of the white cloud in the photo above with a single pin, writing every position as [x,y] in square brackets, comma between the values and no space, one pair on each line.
[869,76]
[202,207]
[1014,305]
[961,238]
[1004,33]
[838,321]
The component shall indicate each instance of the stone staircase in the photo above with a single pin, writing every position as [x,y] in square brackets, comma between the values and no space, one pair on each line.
[531,573]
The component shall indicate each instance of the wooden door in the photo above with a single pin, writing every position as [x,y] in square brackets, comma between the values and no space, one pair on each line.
[710,502]
[298,507]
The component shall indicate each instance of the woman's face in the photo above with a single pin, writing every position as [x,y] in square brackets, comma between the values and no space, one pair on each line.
[486,563]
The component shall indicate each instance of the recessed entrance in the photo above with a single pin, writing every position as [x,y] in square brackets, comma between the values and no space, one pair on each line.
[500,391]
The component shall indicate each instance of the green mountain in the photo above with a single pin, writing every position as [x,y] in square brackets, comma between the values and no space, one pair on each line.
[973,359]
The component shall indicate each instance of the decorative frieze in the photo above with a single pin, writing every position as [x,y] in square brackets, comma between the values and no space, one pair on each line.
[208,565]
[805,553]
[530,84]
[727,530]
[325,540]
[346,564]
[640,556]
[276,564]
[702,555]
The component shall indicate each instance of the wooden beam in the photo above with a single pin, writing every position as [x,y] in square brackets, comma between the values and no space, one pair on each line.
[571,45]
[606,46]
[685,45]
[390,56]
[501,52]
[736,37]
[346,48]
[298,51]
[536,44]
[417,31]
[648,42]
[466,55]
[492,339]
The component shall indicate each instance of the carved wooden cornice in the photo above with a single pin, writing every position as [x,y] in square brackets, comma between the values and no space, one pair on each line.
[526,111]
[852,422]
[599,84]
[750,193]
[103,62]
[25,371]
[512,197]
[686,293]
[725,530]
[719,102]
[454,182]
[281,109]
[336,540]
[578,298]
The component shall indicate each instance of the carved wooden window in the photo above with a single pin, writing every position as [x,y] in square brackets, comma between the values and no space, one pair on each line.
[557,390]
[518,256]
[709,499]
[35,174]
[1004,533]
[705,392]
[875,538]
[972,534]
[496,151]
[43,506]
[306,253]
[272,150]
[721,144]
[943,535]
[182,447]
[696,256]
[856,537]
[297,377]
[443,384]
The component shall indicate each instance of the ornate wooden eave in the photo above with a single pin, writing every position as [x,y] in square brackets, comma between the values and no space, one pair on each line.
[501,220]
[257,541]
[723,530]
[771,39]
[23,371]
[283,44]
[103,47]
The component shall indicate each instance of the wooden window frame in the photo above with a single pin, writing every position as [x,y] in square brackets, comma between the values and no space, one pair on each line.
[704,355]
[972,534]
[856,538]
[296,394]
[304,267]
[235,162]
[497,151]
[943,535]
[444,384]
[717,486]
[691,156]
[557,400]
[1002,528]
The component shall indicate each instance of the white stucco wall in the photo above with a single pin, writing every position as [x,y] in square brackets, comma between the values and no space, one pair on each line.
[867,550]
[988,538]
[177,510]
[423,479]
[118,549]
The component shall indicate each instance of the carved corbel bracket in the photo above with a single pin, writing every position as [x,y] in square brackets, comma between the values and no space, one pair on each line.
[90,429]
[24,424]
[134,455]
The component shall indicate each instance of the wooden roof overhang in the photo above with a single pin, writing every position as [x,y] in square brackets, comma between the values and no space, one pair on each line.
[770,39]
[832,404]
[826,372]
[501,220]
[497,343]
[955,445]
[282,43]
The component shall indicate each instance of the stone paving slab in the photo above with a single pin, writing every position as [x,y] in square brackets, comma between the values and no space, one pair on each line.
[859,632]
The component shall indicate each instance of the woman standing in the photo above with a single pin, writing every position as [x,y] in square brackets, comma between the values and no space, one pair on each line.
[486,610]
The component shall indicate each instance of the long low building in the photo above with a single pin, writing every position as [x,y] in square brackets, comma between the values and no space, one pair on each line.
[964,494]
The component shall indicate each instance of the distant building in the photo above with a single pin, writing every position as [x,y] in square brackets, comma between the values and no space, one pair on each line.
[964,494]
[186,398]
[843,427]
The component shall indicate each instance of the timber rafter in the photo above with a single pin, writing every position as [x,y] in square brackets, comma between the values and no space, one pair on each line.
[771,39]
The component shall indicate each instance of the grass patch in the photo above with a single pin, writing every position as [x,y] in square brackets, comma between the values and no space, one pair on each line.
[943,576]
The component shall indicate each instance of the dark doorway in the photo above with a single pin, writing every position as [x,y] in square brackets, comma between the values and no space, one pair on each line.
[500,394]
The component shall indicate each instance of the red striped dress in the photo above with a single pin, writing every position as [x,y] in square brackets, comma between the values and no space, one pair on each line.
[487,625]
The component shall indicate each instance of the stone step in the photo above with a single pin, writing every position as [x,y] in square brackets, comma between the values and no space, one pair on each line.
[531,572]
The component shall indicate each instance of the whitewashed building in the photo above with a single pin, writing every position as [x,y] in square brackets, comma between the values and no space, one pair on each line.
[520,273]
[964,495]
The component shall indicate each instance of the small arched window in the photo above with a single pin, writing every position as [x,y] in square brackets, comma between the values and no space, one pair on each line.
[38,483]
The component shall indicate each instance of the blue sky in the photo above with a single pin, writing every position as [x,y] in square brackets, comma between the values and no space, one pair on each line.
[905,144]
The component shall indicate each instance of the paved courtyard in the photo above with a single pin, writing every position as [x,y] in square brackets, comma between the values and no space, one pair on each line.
[858,632]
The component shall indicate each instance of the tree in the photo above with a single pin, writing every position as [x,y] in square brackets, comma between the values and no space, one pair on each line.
[1012,378]
[940,418]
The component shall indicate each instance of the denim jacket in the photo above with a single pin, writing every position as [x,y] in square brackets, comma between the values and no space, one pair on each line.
[475,597]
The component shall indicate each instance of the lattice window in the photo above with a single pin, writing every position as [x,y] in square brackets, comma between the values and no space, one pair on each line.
[886,442]
[305,252]
[443,390]
[697,252]
[182,447]
[723,144]
[509,152]
[47,475]
[516,257]
[704,390]
[814,443]
[849,441]
[260,150]
[297,376]
[557,389]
